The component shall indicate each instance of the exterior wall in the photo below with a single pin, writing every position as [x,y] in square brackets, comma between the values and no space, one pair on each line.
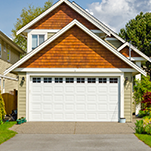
[125,52]
[10,85]
[115,43]
[14,55]
[74,49]
[21,104]
[60,17]
[128,97]
[50,35]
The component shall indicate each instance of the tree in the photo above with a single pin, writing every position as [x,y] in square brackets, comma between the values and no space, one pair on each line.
[138,31]
[2,109]
[27,15]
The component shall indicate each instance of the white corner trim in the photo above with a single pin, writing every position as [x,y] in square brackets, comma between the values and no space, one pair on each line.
[99,22]
[135,49]
[27,95]
[122,96]
[86,30]
[55,6]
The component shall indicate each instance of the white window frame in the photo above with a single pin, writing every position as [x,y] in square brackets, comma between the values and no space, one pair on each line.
[38,39]
[34,32]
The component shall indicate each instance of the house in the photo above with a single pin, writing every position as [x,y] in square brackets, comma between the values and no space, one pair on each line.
[76,69]
[9,54]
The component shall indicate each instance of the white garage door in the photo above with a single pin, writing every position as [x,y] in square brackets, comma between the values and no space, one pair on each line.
[73,99]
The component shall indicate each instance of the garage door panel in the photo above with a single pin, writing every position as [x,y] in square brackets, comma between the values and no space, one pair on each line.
[58,98]
[47,107]
[47,89]
[91,107]
[91,98]
[102,89]
[36,106]
[80,89]
[102,98]
[69,89]
[36,98]
[47,116]
[59,107]
[86,100]
[69,98]
[47,98]
[81,98]
[103,107]
[36,88]
[91,89]
[69,107]
[80,107]
[58,89]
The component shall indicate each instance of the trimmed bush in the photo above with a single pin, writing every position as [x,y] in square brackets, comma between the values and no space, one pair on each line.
[2,108]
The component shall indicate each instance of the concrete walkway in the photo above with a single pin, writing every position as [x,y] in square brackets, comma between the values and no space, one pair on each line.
[57,142]
[74,128]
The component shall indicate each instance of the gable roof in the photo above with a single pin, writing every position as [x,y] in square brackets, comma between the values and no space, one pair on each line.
[55,6]
[11,43]
[86,30]
[113,33]
[135,49]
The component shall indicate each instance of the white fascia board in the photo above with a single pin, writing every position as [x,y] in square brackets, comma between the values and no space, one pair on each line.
[55,6]
[86,30]
[141,59]
[136,50]
[77,70]
[9,78]
[42,30]
[99,22]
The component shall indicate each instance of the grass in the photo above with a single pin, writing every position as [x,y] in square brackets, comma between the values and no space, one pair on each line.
[5,133]
[145,138]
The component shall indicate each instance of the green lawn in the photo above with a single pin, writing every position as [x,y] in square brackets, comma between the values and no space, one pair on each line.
[5,133]
[145,138]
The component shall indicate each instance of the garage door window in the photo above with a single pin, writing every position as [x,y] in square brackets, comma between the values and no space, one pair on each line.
[113,80]
[47,80]
[69,80]
[91,80]
[102,80]
[80,80]
[36,80]
[58,80]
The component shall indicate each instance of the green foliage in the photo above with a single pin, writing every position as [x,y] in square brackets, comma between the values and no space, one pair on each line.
[145,138]
[138,31]
[142,113]
[139,127]
[27,15]
[140,88]
[1,121]
[5,133]
[148,129]
[2,108]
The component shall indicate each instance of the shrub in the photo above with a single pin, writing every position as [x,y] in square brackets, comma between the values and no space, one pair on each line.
[140,88]
[139,127]
[146,100]
[2,108]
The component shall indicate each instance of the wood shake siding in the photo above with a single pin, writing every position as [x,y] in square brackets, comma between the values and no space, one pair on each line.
[125,52]
[74,49]
[60,17]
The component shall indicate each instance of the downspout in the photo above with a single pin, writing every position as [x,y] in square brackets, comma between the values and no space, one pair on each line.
[130,50]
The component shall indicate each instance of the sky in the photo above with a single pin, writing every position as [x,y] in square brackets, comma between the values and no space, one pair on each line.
[114,13]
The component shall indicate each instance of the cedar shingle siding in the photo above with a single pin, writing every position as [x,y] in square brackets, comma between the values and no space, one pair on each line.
[60,17]
[74,49]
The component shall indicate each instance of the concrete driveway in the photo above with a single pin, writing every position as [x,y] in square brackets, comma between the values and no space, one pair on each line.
[74,128]
[74,136]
